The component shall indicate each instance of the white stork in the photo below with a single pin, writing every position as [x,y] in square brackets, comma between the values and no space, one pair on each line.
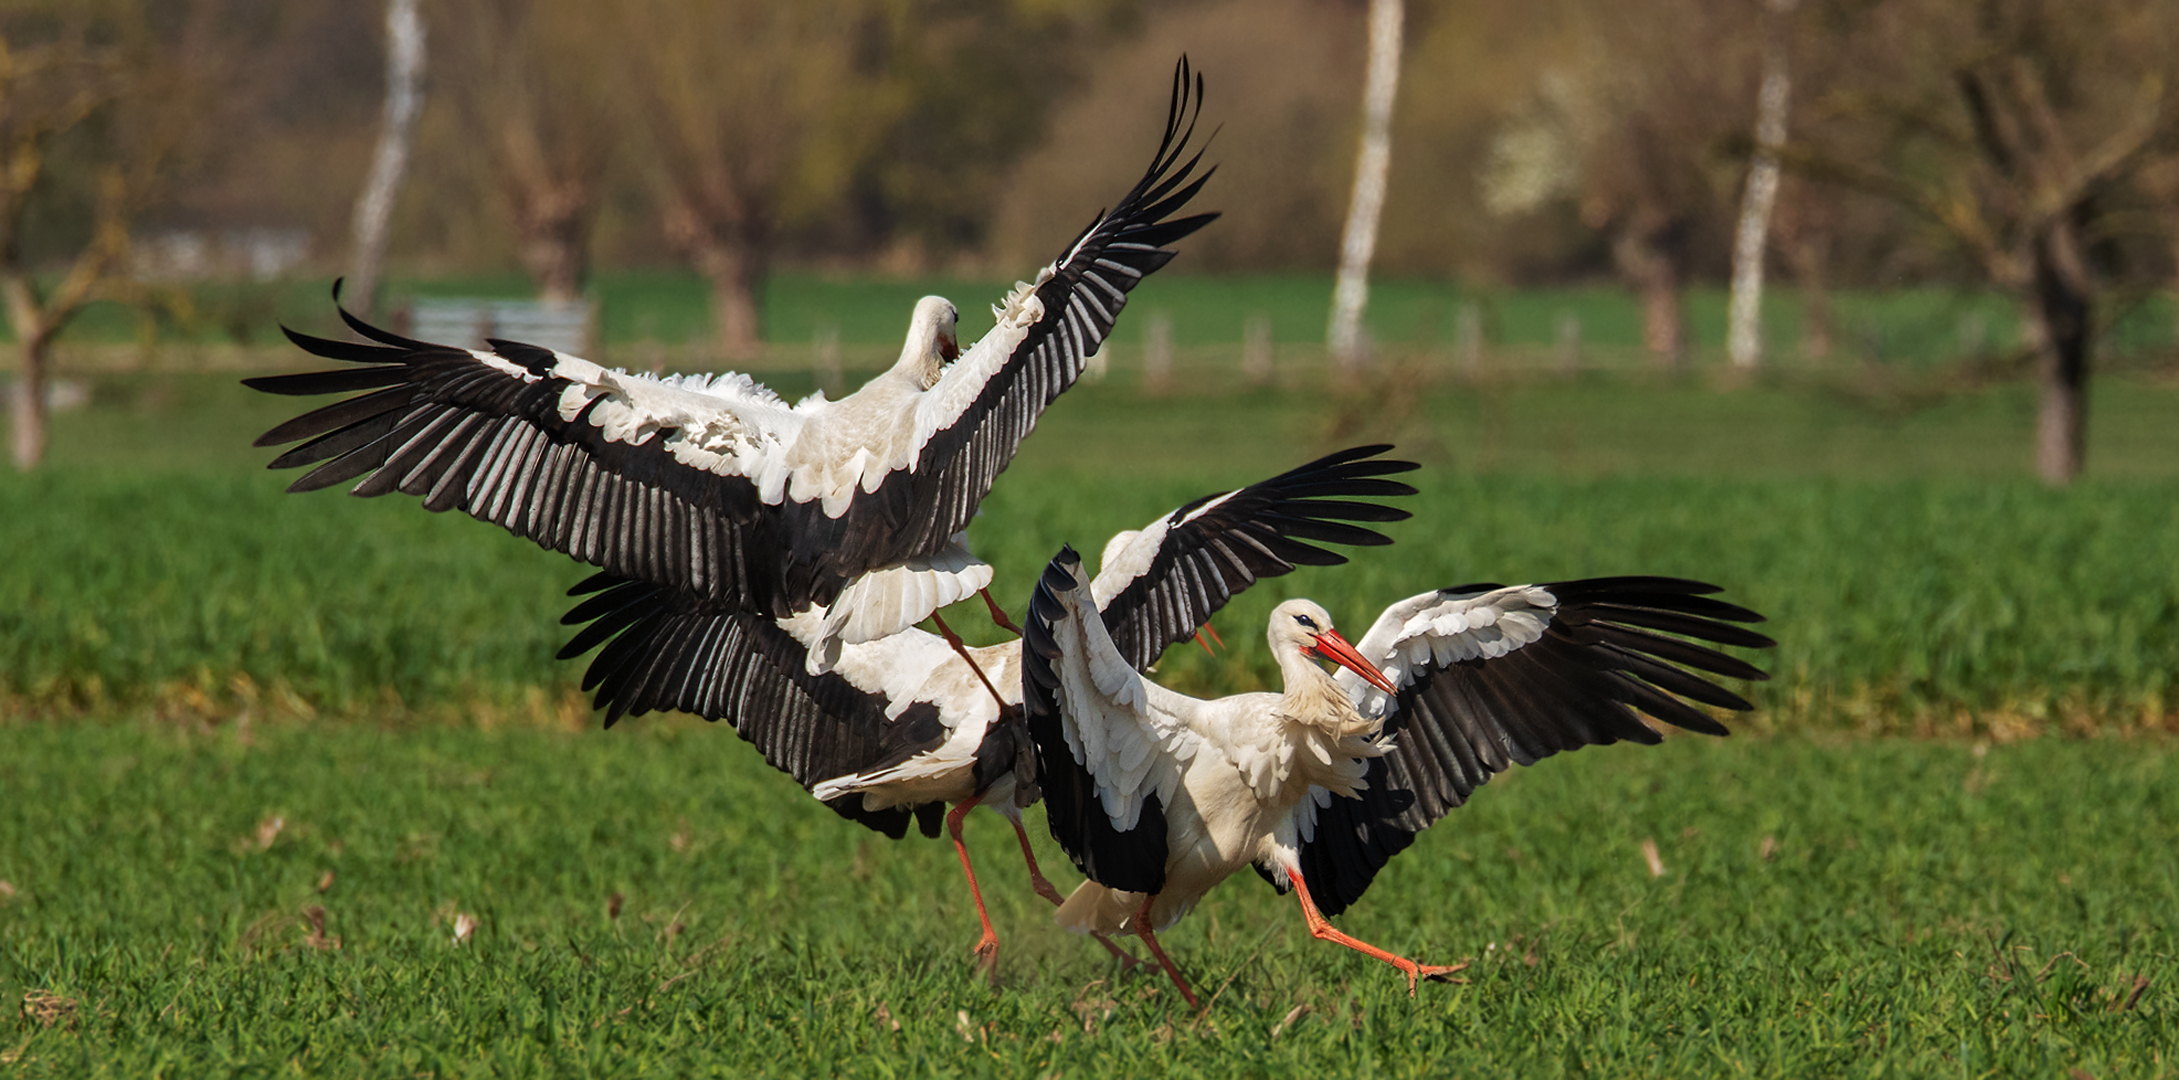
[898,727]
[852,509]
[1158,796]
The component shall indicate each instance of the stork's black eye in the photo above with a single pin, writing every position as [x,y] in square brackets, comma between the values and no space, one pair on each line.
[1305,621]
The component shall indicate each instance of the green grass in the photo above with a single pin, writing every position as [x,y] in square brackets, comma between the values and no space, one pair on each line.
[1927,908]
[1916,583]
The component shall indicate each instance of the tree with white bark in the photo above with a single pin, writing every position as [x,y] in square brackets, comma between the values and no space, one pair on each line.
[389,165]
[1744,315]
[1372,165]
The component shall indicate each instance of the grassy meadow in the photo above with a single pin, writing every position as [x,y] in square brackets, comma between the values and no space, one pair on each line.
[284,898]
[260,752]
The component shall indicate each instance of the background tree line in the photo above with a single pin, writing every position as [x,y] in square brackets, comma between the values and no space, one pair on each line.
[2031,146]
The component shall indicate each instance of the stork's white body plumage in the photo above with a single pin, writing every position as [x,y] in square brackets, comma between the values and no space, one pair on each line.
[1238,778]
[1317,785]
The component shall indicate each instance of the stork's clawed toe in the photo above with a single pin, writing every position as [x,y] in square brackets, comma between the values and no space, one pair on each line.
[1418,972]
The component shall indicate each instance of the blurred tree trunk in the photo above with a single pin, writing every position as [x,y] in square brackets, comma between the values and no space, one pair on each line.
[758,114]
[2174,286]
[26,399]
[1804,224]
[552,234]
[1811,262]
[1373,162]
[533,85]
[2024,145]
[37,320]
[2058,310]
[735,258]
[404,99]
[2022,130]
[1645,249]
[1744,334]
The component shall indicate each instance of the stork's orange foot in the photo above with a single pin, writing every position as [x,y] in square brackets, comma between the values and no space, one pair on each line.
[986,952]
[1432,973]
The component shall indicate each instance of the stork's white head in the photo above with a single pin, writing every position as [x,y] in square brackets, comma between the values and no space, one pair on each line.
[1302,628]
[931,341]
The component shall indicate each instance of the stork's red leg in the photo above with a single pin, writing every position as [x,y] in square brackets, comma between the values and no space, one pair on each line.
[1142,930]
[1044,889]
[954,640]
[1323,930]
[987,947]
[998,614]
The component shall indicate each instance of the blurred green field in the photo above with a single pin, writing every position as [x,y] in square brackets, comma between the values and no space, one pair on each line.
[1908,907]
[1914,328]
[1916,582]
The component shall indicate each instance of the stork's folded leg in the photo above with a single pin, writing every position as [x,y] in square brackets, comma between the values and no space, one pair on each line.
[987,947]
[998,614]
[1044,889]
[1036,875]
[1142,930]
[954,640]
[1323,930]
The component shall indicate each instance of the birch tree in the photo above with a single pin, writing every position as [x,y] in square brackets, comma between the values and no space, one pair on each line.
[1350,294]
[1744,317]
[404,99]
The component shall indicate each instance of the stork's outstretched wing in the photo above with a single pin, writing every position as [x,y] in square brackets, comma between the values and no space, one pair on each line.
[1157,586]
[667,649]
[986,403]
[613,469]
[1491,677]
[704,485]
[675,650]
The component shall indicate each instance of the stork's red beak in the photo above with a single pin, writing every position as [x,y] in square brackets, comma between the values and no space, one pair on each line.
[949,347]
[1334,648]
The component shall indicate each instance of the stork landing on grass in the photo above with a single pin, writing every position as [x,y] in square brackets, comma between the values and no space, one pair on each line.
[1158,796]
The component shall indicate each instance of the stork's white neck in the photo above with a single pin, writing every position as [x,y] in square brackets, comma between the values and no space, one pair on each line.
[929,329]
[1302,674]
[1312,698]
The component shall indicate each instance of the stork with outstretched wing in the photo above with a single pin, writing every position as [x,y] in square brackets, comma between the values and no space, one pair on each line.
[1158,796]
[850,512]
